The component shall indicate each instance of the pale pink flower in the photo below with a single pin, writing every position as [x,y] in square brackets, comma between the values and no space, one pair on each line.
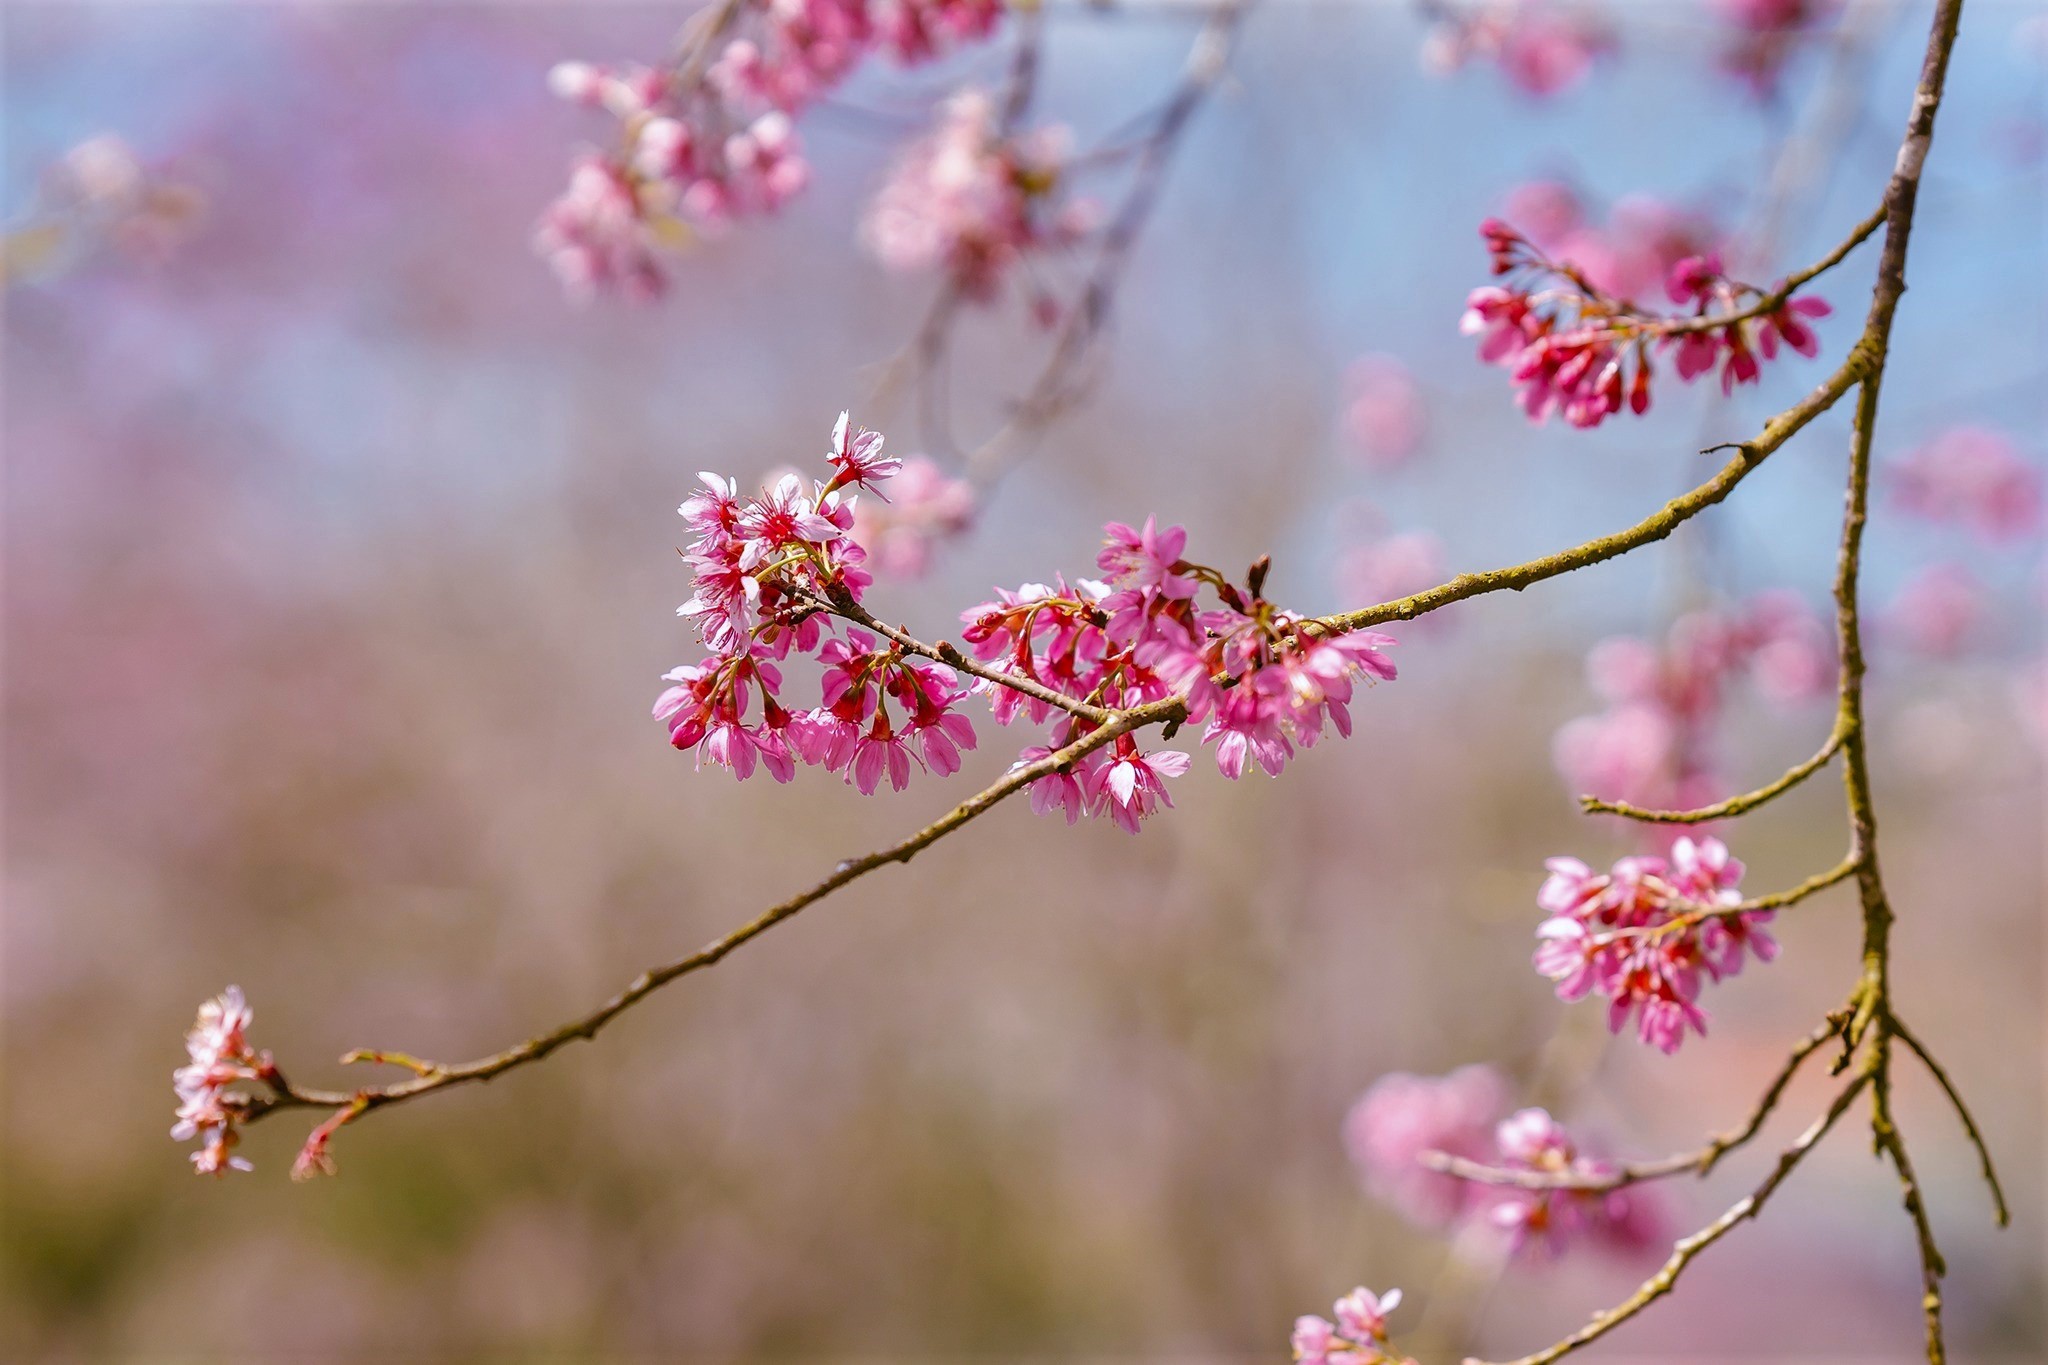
[1145,558]
[856,454]
[1971,475]
[1384,416]
[1936,611]
[219,1056]
[927,507]
[1403,1116]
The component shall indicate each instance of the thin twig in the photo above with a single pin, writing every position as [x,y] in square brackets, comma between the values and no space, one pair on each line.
[1999,1210]
[1618,1176]
[1721,810]
[437,1077]
[1682,1254]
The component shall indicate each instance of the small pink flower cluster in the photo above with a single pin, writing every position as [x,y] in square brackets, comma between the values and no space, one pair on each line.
[1402,1117]
[1575,349]
[707,151]
[1768,33]
[1646,934]
[765,566]
[1653,744]
[975,202]
[1263,684]
[218,1045]
[926,508]
[1357,1337]
[1547,1221]
[1971,475]
[1543,47]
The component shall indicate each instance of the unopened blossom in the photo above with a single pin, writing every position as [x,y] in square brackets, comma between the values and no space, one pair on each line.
[1648,934]
[1384,416]
[1358,1336]
[1971,476]
[975,202]
[1936,611]
[219,1057]
[1574,348]
[1402,1116]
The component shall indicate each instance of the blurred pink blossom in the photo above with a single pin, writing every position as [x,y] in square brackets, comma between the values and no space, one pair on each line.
[927,507]
[1936,611]
[1402,1116]
[1384,416]
[1971,475]
[1542,46]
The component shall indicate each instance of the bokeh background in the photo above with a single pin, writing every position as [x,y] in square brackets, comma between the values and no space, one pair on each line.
[340,570]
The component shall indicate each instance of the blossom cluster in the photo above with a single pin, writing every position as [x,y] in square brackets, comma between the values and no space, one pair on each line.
[1259,680]
[1652,745]
[926,508]
[704,149]
[1648,933]
[1971,476]
[1358,1336]
[1404,1118]
[767,569]
[1542,46]
[219,1057]
[973,200]
[776,571]
[1573,348]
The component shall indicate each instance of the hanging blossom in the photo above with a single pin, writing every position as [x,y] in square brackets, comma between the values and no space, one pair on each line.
[1358,1336]
[1972,476]
[1573,348]
[774,569]
[701,151]
[1767,35]
[1403,1119]
[1402,1116]
[976,202]
[220,1058]
[1547,1222]
[926,508]
[1646,935]
[1654,743]
[1543,46]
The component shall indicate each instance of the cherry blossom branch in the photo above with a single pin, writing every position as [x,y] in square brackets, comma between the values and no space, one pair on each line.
[1613,1176]
[433,1076]
[1869,1012]
[1721,810]
[1686,1249]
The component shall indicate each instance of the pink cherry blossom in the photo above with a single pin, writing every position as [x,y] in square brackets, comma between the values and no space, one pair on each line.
[1936,611]
[1973,476]
[1357,1337]
[926,508]
[1403,1116]
[973,201]
[1542,46]
[219,1056]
